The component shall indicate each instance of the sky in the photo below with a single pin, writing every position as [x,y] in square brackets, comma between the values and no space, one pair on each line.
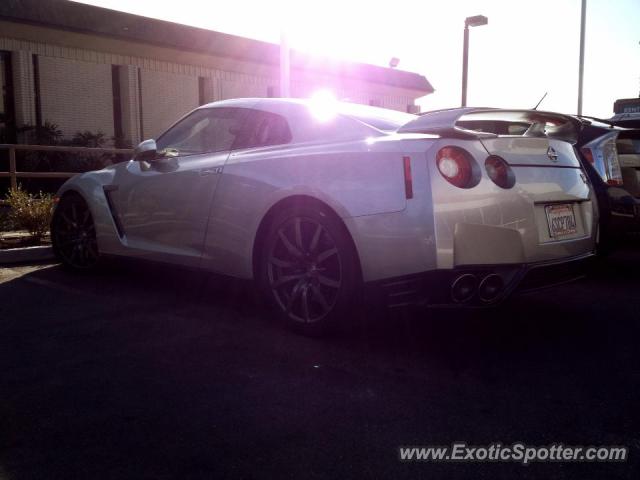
[528,47]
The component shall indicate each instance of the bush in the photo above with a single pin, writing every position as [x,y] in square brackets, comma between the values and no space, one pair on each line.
[30,212]
[6,225]
[47,134]
[50,134]
[84,163]
[88,139]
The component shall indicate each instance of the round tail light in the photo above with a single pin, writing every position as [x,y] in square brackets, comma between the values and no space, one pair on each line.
[499,172]
[456,166]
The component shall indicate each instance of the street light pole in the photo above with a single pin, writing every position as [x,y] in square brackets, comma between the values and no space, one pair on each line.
[583,18]
[465,64]
[475,21]
[285,65]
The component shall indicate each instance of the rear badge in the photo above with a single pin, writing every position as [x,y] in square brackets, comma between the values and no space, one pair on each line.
[552,154]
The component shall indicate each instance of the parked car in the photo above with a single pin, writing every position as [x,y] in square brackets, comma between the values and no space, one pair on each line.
[314,200]
[627,120]
[627,112]
[611,157]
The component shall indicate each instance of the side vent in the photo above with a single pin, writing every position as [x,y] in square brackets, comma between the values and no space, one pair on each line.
[108,190]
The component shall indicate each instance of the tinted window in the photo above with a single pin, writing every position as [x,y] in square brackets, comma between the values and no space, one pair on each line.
[628,123]
[205,130]
[262,129]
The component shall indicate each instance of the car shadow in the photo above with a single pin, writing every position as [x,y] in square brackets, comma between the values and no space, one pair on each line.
[524,324]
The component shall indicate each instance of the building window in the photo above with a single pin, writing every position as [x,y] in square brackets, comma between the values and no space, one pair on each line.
[202,99]
[7,110]
[36,88]
[118,132]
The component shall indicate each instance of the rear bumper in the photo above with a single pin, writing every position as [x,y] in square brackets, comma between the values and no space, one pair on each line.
[624,215]
[550,274]
[434,288]
[619,210]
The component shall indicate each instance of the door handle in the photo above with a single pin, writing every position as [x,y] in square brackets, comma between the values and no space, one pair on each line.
[210,171]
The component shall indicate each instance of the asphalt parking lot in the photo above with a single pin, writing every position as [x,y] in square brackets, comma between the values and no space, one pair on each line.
[155,373]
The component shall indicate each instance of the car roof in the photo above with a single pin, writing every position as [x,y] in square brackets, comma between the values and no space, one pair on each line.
[279,104]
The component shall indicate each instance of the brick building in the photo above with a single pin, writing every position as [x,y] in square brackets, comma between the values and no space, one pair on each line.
[88,68]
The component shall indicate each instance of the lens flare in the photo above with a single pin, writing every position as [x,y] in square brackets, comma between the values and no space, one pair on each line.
[323,105]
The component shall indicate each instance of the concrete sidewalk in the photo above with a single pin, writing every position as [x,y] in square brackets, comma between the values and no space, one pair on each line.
[26,254]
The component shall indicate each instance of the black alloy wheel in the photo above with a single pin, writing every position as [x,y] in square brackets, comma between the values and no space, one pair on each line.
[73,234]
[309,272]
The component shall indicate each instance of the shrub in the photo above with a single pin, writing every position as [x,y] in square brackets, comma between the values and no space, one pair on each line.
[50,134]
[89,139]
[30,212]
[83,163]
[121,142]
[6,224]
[47,134]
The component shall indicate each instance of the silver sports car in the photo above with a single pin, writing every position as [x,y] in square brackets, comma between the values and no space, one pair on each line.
[314,200]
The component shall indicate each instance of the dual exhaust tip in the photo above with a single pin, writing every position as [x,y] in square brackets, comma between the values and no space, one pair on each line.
[466,286]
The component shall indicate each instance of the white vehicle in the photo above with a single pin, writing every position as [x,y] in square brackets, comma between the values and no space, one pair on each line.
[313,200]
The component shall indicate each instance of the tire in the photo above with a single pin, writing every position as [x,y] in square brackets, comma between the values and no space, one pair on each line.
[308,270]
[73,234]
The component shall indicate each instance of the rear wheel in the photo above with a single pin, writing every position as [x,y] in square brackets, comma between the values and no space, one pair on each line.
[308,270]
[73,234]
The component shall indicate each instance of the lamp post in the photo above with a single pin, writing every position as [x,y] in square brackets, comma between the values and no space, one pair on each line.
[285,65]
[583,17]
[475,21]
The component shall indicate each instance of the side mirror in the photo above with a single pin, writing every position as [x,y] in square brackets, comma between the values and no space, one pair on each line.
[146,151]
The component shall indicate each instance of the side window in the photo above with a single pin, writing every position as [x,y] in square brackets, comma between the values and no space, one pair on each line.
[203,131]
[263,129]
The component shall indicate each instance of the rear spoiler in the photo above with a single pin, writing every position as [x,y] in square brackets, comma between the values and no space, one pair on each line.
[494,122]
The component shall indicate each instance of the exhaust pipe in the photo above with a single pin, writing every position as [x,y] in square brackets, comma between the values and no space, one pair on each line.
[464,288]
[490,288]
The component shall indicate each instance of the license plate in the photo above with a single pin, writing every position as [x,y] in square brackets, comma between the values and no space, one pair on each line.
[561,219]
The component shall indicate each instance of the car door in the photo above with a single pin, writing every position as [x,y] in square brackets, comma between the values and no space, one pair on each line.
[163,205]
[240,194]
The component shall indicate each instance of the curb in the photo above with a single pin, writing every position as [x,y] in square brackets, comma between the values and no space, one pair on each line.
[26,255]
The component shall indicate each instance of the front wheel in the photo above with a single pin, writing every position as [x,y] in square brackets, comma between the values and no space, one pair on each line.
[308,270]
[73,234]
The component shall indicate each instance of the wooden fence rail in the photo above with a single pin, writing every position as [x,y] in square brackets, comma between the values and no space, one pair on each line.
[13,174]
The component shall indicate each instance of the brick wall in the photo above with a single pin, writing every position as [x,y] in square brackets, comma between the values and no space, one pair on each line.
[76,88]
[353,91]
[165,98]
[234,89]
[23,88]
[76,96]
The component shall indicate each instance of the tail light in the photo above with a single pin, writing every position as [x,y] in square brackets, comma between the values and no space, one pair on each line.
[457,167]
[611,163]
[588,154]
[602,153]
[499,172]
